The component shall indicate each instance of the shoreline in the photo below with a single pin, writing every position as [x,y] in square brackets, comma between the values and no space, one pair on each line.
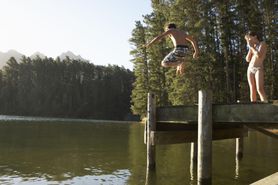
[7,118]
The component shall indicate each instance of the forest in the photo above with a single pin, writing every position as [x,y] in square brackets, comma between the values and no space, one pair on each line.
[67,88]
[74,88]
[219,28]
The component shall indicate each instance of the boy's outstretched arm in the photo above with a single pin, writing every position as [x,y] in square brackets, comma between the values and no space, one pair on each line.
[157,38]
[194,44]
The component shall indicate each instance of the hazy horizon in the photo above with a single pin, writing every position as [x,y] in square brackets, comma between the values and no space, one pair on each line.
[96,30]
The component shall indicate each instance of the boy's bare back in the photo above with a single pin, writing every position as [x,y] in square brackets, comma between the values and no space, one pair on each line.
[178,37]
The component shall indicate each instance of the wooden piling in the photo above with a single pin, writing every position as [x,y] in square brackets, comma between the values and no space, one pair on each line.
[150,177]
[193,152]
[239,148]
[193,160]
[237,167]
[204,138]
[151,126]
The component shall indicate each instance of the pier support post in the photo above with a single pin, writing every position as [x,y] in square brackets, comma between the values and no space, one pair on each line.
[239,148]
[151,126]
[150,177]
[193,152]
[193,160]
[204,166]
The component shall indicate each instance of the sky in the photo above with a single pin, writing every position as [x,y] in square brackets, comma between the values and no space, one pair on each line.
[98,30]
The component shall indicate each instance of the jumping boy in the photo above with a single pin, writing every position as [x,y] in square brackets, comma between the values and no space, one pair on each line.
[255,71]
[176,58]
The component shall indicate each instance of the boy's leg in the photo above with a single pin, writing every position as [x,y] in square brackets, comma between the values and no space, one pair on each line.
[170,60]
[178,71]
[182,67]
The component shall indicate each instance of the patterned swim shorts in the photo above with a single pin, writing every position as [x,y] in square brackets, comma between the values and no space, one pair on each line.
[176,56]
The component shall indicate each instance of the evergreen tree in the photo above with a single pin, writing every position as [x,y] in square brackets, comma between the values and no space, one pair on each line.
[141,70]
[68,88]
[219,28]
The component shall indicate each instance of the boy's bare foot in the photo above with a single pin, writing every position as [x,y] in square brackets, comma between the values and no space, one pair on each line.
[180,69]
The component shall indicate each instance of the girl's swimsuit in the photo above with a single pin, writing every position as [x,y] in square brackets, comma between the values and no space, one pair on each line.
[253,69]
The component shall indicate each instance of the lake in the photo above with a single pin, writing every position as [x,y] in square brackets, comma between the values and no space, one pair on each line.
[38,151]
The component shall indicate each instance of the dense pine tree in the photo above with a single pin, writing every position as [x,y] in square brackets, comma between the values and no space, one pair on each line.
[219,28]
[68,88]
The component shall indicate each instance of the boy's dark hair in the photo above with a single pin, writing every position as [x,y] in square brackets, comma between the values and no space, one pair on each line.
[171,25]
[258,35]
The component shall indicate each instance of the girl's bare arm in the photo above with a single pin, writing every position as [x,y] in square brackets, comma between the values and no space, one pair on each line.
[258,52]
[249,56]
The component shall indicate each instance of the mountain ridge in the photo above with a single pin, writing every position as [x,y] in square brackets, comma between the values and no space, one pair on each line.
[5,56]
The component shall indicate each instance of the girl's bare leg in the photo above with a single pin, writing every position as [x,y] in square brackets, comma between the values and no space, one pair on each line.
[252,86]
[260,84]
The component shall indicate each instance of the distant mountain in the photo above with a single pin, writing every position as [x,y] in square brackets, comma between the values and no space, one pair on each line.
[5,56]
[37,54]
[71,55]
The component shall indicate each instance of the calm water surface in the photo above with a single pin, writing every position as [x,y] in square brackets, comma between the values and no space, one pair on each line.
[36,152]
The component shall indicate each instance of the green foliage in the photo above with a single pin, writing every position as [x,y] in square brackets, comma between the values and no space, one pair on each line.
[219,28]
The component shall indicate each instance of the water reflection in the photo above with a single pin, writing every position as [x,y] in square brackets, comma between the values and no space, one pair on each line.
[102,153]
[63,152]
[150,177]
[237,168]
[117,177]
[193,169]
[239,155]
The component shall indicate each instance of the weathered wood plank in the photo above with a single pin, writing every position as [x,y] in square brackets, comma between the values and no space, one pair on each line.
[178,136]
[177,113]
[179,127]
[172,137]
[269,132]
[240,113]
[175,127]
[251,113]
[229,133]
[270,180]
[187,136]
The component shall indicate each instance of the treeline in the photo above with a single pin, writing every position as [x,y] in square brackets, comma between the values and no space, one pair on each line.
[68,88]
[219,27]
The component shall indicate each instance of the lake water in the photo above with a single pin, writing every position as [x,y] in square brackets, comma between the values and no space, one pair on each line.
[35,151]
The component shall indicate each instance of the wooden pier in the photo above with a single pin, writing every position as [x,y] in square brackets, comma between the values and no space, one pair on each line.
[201,124]
[270,180]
